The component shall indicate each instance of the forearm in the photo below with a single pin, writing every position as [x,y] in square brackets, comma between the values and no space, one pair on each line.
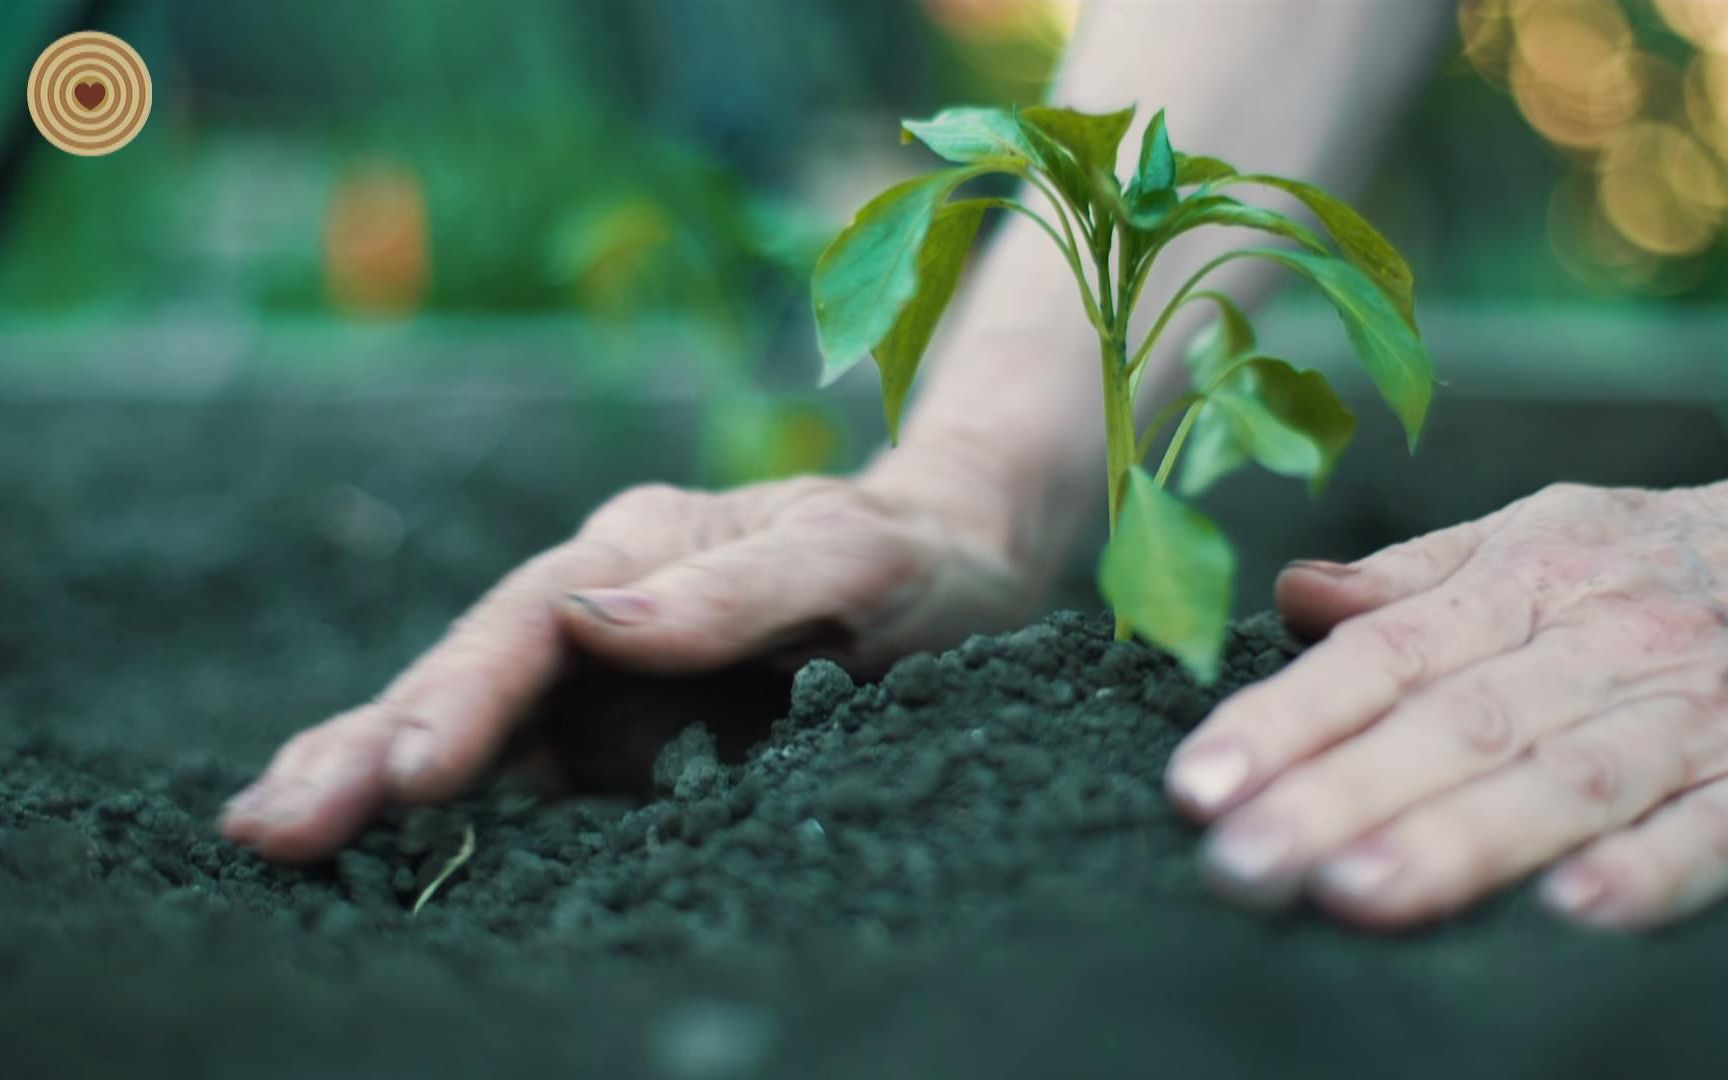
[1011,399]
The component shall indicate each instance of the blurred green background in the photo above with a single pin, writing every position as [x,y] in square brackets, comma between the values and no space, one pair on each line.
[389,293]
[617,200]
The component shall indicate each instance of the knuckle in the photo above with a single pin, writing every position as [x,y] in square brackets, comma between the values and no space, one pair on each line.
[1664,627]
[891,563]
[1482,723]
[401,708]
[825,506]
[1421,559]
[300,749]
[643,500]
[1594,774]
[1564,495]
[1544,564]
[591,557]
[1700,735]
[712,590]
[1400,647]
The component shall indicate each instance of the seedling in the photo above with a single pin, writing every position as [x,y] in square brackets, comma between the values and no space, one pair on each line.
[883,284]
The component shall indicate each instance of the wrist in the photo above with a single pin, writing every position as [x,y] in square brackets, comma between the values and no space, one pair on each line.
[978,496]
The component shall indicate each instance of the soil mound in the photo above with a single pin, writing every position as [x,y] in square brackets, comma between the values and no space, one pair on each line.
[966,869]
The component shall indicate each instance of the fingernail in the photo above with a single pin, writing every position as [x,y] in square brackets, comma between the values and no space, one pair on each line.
[621,607]
[1574,891]
[1321,566]
[1246,859]
[1206,778]
[243,806]
[283,803]
[242,799]
[410,755]
[1361,873]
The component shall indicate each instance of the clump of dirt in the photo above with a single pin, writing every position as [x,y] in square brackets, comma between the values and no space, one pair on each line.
[1017,769]
[966,869]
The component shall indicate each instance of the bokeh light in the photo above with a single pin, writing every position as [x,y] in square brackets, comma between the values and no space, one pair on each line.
[1590,249]
[1486,28]
[1706,97]
[1016,43]
[1651,180]
[1574,70]
[1647,129]
[1005,20]
[377,251]
[1702,22]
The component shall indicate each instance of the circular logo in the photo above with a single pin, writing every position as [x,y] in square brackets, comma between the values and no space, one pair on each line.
[89,93]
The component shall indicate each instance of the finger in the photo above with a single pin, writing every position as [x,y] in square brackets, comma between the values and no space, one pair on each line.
[743,599]
[454,707]
[436,726]
[1573,786]
[1342,685]
[322,786]
[1452,731]
[1315,596]
[1672,865]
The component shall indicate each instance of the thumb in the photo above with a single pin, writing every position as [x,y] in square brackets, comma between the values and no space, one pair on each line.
[1313,596]
[736,601]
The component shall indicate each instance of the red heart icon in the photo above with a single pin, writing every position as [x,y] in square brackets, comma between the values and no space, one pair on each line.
[89,94]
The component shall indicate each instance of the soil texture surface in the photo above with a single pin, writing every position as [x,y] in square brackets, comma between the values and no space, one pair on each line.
[965,869]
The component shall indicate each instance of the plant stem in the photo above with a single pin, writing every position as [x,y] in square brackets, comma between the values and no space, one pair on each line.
[1062,211]
[1165,415]
[1119,443]
[1024,211]
[1138,364]
[1176,442]
[1106,294]
[1068,252]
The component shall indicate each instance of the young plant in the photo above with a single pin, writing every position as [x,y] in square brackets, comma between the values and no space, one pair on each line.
[882,285]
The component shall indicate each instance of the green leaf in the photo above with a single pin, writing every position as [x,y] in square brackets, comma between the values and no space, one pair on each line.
[1194,169]
[1214,450]
[1195,212]
[1289,421]
[1091,138]
[1056,162]
[1151,193]
[1109,193]
[1395,358]
[868,275]
[940,261]
[1168,573]
[1230,338]
[968,134]
[1078,152]
[1360,242]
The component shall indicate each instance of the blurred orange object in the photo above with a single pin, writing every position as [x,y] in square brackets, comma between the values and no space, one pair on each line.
[377,248]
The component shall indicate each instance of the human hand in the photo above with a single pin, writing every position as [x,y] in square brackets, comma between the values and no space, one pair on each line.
[1548,685]
[911,555]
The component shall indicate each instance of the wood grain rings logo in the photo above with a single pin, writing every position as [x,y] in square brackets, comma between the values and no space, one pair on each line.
[89,93]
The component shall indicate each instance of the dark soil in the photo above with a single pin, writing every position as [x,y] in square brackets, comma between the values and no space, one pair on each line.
[965,870]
